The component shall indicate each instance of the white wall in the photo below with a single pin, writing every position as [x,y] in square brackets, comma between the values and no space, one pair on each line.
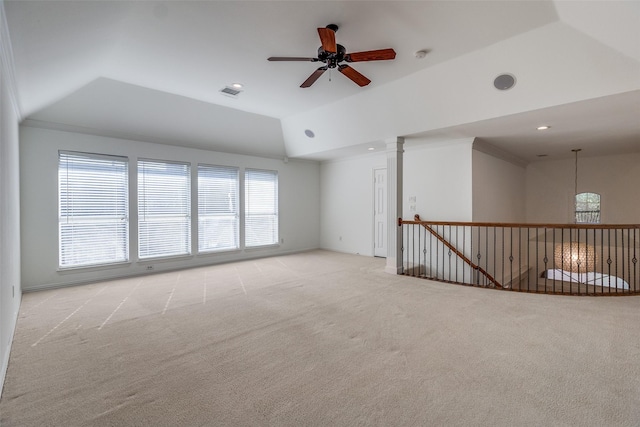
[498,196]
[436,185]
[347,203]
[550,188]
[10,293]
[439,176]
[299,195]
[498,189]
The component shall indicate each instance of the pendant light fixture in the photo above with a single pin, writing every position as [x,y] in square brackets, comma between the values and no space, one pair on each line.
[575,193]
[575,257]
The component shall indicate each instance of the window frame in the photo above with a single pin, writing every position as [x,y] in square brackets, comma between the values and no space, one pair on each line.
[142,212]
[118,218]
[247,208]
[596,212]
[201,207]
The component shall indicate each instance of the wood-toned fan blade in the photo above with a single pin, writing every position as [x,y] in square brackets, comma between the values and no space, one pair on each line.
[328,39]
[371,55]
[291,58]
[313,77]
[357,78]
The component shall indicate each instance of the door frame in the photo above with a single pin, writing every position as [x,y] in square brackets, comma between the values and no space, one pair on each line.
[374,200]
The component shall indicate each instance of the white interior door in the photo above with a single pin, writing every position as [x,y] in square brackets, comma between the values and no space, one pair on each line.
[380,212]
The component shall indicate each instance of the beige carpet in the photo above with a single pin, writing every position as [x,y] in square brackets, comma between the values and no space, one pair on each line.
[323,339]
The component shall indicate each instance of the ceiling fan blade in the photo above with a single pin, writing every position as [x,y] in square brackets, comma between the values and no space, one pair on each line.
[357,78]
[291,58]
[371,55]
[328,39]
[313,77]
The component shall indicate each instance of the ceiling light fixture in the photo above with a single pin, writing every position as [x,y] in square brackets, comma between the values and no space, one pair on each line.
[237,85]
[371,148]
[575,256]
[543,127]
[309,133]
[576,150]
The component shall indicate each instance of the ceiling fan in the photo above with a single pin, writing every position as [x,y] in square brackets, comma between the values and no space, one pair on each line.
[332,54]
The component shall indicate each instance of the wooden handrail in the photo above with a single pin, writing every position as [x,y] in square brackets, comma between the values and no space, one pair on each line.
[521,225]
[453,249]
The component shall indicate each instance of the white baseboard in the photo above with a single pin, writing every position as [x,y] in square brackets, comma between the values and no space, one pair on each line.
[253,254]
[7,355]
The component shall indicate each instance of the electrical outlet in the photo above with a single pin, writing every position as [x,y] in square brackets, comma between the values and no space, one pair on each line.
[149,267]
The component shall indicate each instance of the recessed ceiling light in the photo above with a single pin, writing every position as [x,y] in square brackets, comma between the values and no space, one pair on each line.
[543,127]
[371,148]
[237,85]
[309,133]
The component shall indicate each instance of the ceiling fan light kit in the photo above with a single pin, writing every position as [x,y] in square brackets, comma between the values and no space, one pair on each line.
[333,55]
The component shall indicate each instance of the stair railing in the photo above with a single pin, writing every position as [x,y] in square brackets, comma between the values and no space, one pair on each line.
[576,259]
[458,253]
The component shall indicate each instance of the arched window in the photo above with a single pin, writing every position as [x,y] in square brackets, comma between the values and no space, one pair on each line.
[587,208]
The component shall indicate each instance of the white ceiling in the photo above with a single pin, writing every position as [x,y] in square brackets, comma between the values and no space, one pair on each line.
[113,108]
[604,125]
[153,70]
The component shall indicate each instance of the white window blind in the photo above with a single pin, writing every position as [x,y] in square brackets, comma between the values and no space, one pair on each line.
[217,208]
[93,209]
[261,207]
[164,205]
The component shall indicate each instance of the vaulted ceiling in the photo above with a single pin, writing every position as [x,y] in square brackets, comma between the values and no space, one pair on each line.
[154,70]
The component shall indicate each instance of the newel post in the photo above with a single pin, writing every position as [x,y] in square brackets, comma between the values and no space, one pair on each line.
[395,149]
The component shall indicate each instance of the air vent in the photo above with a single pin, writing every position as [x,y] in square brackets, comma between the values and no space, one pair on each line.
[229,91]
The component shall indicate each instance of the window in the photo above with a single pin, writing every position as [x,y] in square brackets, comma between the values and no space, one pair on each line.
[588,208]
[261,207]
[93,209]
[164,203]
[217,208]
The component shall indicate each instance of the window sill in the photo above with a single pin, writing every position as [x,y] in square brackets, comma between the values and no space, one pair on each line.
[257,248]
[164,258]
[93,267]
[219,252]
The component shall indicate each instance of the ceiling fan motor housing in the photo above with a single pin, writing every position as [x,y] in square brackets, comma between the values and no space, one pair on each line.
[333,27]
[332,59]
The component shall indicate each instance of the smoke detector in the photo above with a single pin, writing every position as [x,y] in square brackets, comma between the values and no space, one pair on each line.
[421,53]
